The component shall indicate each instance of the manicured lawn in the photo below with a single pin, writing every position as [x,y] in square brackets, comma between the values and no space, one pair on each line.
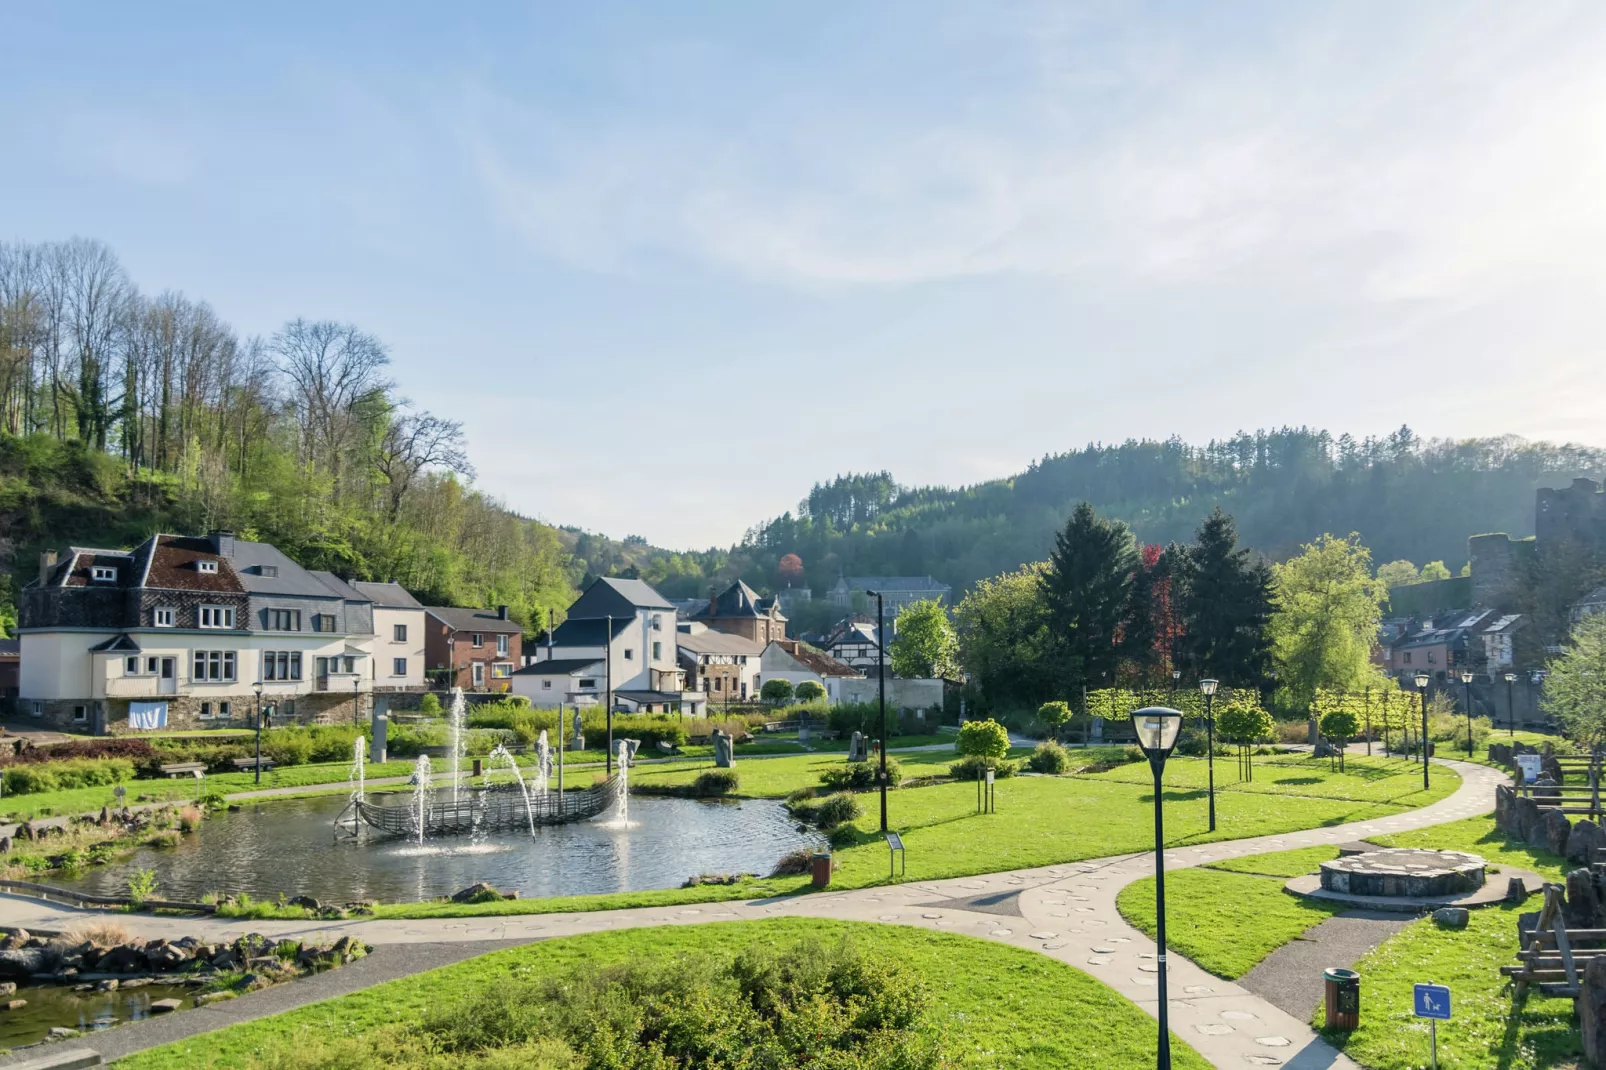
[1479,836]
[1480,753]
[777,777]
[1227,920]
[995,1005]
[1484,1031]
[1388,780]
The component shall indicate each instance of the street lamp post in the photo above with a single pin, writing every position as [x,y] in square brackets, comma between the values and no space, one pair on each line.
[881,676]
[356,701]
[1176,677]
[1422,686]
[1511,711]
[1209,689]
[1466,685]
[1157,729]
[257,687]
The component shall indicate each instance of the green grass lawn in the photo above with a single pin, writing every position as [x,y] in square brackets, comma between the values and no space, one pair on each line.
[1227,916]
[1480,753]
[995,1005]
[777,777]
[1387,780]
[1479,836]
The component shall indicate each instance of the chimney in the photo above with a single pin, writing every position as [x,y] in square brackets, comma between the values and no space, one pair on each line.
[501,613]
[713,602]
[223,542]
[47,561]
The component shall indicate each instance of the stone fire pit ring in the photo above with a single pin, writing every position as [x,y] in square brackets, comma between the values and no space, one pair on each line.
[1402,872]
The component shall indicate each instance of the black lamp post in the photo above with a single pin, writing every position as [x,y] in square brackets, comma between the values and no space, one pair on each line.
[1422,686]
[881,675]
[356,702]
[1209,689]
[1511,711]
[1176,676]
[1466,685]
[257,687]
[1157,729]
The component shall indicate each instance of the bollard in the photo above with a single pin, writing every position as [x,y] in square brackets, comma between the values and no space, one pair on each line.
[820,868]
[479,767]
[1343,998]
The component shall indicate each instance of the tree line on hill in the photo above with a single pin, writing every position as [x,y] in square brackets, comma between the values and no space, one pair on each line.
[123,414]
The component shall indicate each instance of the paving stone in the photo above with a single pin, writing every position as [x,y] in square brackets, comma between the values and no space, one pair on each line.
[1214,1029]
[1273,1042]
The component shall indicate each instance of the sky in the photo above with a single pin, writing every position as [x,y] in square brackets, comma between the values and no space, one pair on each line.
[671,264]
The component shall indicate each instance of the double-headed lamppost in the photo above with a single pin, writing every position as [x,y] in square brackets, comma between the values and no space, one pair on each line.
[1157,729]
[881,676]
[1422,686]
[1511,711]
[1466,694]
[257,687]
[1209,689]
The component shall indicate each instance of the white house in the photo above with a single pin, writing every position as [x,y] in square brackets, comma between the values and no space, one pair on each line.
[790,660]
[398,645]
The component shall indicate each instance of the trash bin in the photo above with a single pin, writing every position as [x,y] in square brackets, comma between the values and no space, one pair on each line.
[479,767]
[820,868]
[1343,998]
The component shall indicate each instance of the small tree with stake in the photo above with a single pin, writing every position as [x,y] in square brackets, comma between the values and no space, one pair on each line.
[1053,716]
[1339,724]
[1241,720]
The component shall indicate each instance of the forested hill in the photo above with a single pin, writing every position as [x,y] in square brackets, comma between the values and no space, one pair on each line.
[1408,498]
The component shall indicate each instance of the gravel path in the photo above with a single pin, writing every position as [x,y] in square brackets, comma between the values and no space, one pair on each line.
[1291,977]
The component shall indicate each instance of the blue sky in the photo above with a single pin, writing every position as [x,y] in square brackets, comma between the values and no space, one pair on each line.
[673,263]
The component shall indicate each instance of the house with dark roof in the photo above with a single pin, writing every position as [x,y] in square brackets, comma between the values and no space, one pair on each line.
[399,627]
[796,662]
[475,649]
[740,610]
[720,665]
[180,630]
[631,628]
[896,591]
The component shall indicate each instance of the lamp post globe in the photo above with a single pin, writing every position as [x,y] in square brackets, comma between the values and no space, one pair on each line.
[1511,711]
[1466,694]
[1208,687]
[1422,687]
[1157,729]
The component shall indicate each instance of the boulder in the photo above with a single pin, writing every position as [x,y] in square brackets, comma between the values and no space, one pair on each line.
[1551,768]
[225,959]
[13,1005]
[165,1006]
[1590,1006]
[27,831]
[1505,808]
[1585,840]
[1516,891]
[1527,815]
[108,985]
[167,957]
[17,938]
[1452,917]
[1557,830]
[212,997]
[477,892]
[22,962]
[8,988]
[1582,908]
[124,958]
[5,845]
[61,1032]
[1544,790]
[306,902]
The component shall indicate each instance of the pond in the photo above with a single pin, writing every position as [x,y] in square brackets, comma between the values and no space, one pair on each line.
[55,1005]
[289,848]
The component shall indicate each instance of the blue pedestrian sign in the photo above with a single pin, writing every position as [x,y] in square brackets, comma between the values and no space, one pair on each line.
[1432,1001]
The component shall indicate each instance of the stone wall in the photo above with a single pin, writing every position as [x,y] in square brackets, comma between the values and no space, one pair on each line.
[901,694]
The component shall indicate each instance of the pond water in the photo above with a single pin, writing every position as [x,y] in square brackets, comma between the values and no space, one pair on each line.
[57,1005]
[289,847]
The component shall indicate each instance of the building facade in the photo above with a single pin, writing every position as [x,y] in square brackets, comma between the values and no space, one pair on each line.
[631,630]
[398,648]
[896,591]
[739,610]
[474,649]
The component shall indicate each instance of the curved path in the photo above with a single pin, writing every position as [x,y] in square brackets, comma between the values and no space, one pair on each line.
[1065,911]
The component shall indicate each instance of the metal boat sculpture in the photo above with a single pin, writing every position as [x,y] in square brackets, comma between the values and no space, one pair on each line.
[501,806]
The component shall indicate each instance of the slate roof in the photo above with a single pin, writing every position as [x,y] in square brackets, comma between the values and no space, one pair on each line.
[387,595]
[715,642]
[559,667]
[170,564]
[252,560]
[585,632]
[340,587]
[821,663]
[474,620]
[609,596]
[651,696]
[737,600]
[10,648]
[118,644]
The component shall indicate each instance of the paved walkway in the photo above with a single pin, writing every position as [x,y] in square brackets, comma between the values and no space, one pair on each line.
[1067,912]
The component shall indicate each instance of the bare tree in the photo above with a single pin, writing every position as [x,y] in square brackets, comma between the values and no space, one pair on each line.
[95,293]
[412,443]
[337,386]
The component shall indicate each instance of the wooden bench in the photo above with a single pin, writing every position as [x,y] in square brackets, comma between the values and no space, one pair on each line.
[248,764]
[178,769]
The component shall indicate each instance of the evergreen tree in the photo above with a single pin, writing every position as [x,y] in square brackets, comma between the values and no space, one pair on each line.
[1087,592]
[1224,605]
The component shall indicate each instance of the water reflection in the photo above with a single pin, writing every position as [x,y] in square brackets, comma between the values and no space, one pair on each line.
[289,848]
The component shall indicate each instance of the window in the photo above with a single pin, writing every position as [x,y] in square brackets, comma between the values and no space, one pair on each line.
[131,666]
[162,616]
[281,665]
[206,566]
[1408,657]
[657,622]
[217,616]
[102,574]
[479,640]
[206,711]
[38,709]
[479,674]
[151,665]
[1430,657]
[546,685]
[657,650]
[398,667]
[501,646]
[213,666]
[284,620]
[399,633]
[80,713]
[501,670]
[585,685]
[225,709]
[270,571]
[630,655]
[323,622]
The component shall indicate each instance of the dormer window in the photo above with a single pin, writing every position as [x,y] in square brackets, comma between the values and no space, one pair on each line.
[103,574]
[206,566]
[270,571]
[216,616]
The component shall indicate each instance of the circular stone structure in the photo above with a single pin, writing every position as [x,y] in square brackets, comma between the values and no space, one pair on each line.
[1403,872]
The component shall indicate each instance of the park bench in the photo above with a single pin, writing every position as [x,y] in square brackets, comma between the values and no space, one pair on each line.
[178,769]
[246,765]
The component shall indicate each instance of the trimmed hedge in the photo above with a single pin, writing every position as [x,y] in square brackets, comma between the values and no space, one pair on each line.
[32,778]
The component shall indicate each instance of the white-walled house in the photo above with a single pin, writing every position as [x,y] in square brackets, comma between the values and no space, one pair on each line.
[792,661]
[720,665]
[562,681]
[398,646]
[179,631]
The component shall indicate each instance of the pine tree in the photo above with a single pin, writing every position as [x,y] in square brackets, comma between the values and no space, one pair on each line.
[1224,603]
[1087,588]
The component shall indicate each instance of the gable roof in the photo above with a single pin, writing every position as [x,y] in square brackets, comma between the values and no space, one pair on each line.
[171,563]
[387,595]
[815,661]
[474,620]
[560,667]
[588,632]
[739,600]
[716,642]
[81,560]
[340,587]
[609,596]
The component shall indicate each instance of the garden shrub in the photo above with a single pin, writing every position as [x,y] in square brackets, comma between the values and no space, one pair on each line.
[715,782]
[974,767]
[809,691]
[826,813]
[1292,732]
[794,863]
[1049,757]
[135,750]
[862,776]
[776,691]
[430,705]
[36,777]
[286,747]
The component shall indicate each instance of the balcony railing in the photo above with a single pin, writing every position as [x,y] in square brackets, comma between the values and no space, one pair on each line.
[339,682]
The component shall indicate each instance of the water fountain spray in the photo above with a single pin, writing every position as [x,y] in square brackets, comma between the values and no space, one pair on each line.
[454,738]
[543,764]
[421,791]
[499,756]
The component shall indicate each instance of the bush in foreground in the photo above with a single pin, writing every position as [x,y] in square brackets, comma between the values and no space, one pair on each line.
[715,782]
[975,767]
[1049,758]
[826,813]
